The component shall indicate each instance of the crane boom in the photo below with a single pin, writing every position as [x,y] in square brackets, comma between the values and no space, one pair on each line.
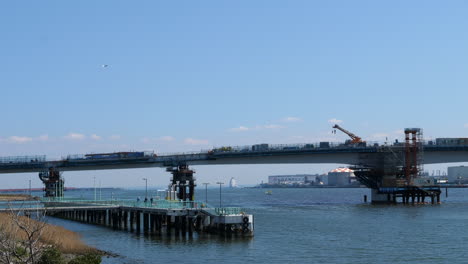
[354,138]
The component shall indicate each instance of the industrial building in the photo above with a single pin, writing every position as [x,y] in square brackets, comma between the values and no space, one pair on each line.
[458,174]
[294,179]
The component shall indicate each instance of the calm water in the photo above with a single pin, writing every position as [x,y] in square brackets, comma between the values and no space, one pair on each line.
[304,225]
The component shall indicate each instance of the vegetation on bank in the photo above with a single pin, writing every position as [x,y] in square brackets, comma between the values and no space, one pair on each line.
[25,240]
[17,197]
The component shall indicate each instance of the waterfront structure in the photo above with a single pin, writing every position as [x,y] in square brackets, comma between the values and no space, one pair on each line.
[458,174]
[155,217]
[292,179]
[233,183]
[341,177]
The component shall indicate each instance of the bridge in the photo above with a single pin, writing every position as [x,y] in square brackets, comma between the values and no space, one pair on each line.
[274,154]
[378,166]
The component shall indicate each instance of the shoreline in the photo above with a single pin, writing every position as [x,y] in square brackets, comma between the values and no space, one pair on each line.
[13,197]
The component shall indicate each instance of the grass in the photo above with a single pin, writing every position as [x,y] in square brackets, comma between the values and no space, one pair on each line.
[16,197]
[66,241]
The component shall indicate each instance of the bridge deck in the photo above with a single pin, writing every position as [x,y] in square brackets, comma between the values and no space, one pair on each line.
[274,154]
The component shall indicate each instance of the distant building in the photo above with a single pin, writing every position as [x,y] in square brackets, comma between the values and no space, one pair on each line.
[233,183]
[293,179]
[458,174]
[341,177]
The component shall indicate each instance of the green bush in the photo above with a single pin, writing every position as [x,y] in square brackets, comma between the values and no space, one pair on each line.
[89,258]
[21,251]
[51,256]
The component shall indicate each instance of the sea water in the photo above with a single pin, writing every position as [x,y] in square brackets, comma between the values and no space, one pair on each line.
[314,225]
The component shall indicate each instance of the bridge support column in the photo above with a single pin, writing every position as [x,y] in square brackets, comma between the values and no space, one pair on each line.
[53,181]
[183,181]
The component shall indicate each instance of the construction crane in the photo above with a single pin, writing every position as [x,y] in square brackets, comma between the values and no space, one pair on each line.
[354,139]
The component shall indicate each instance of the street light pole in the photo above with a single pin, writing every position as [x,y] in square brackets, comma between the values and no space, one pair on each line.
[220,183]
[146,189]
[206,192]
[94,188]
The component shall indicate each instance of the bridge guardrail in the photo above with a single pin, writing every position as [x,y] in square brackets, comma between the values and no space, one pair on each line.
[23,159]
[157,204]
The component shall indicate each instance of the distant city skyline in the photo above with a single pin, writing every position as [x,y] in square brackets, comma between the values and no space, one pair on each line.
[87,76]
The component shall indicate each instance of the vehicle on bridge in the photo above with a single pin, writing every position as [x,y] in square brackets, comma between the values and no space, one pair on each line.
[113,155]
[120,155]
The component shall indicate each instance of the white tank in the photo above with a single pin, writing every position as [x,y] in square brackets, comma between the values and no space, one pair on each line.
[232,183]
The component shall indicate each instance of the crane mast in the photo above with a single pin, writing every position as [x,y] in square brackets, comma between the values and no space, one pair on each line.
[354,139]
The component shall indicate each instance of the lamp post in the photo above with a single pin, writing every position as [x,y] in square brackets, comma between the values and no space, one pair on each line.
[94,184]
[206,192]
[100,191]
[220,183]
[146,188]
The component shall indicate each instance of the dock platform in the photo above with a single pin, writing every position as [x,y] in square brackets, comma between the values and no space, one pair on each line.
[158,217]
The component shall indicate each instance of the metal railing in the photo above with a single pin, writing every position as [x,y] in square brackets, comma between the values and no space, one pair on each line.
[23,159]
[156,204]
[229,211]
[258,148]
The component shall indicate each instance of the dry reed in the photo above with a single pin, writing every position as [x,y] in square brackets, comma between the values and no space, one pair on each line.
[65,240]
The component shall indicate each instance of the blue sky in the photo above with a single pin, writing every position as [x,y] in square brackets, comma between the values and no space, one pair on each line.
[189,75]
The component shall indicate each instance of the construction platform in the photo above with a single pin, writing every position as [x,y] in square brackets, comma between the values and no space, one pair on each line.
[407,195]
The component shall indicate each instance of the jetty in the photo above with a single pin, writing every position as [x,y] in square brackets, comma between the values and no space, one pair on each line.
[158,217]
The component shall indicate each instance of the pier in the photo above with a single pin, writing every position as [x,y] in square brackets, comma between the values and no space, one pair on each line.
[159,217]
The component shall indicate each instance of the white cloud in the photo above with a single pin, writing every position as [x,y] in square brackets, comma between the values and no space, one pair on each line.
[239,129]
[257,127]
[273,126]
[95,137]
[43,138]
[291,119]
[192,141]
[19,140]
[114,137]
[167,138]
[75,136]
[466,125]
[335,121]
[399,132]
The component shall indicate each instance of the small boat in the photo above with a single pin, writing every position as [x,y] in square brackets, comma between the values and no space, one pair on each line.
[269,192]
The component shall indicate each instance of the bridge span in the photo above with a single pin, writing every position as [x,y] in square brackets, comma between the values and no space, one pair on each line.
[275,154]
[374,163]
